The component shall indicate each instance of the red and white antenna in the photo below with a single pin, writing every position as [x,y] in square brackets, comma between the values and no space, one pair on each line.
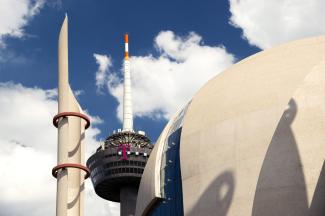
[127,98]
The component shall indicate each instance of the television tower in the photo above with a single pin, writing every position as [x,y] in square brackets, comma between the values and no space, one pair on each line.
[117,166]
[71,124]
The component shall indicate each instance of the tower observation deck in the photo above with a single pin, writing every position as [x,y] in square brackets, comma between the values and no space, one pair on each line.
[117,166]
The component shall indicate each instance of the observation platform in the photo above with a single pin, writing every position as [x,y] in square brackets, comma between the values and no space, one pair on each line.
[119,163]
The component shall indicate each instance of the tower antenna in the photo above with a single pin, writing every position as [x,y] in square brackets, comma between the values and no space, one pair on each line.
[127,96]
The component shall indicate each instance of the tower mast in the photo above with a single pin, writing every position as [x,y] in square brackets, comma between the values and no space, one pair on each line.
[117,166]
[127,97]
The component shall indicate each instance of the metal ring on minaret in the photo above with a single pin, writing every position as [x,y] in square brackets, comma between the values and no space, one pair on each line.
[70,165]
[65,114]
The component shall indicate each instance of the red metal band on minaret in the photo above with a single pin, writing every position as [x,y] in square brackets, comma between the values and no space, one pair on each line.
[56,169]
[65,114]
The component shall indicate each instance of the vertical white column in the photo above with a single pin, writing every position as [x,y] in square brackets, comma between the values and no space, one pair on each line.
[127,97]
[82,175]
[63,133]
[74,156]
[70,138]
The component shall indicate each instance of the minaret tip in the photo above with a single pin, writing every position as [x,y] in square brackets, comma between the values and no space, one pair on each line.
[65,18]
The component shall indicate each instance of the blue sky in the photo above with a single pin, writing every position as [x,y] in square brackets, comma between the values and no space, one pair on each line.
[175,47]
[98,27]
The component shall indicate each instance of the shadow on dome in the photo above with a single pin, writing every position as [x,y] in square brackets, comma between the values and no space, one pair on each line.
[281,187]
[223,187]
[317,207]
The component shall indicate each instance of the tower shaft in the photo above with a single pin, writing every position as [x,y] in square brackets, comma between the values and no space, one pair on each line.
[128,200]
[127,97]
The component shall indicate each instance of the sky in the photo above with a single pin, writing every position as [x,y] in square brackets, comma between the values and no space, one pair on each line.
[175,47]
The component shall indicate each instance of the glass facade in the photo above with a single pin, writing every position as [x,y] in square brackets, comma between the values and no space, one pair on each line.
[170,174]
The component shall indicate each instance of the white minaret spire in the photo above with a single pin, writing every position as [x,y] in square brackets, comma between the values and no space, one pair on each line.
[71,123]
[127,99]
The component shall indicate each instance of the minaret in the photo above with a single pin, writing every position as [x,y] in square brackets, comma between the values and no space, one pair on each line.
[71,123]
[127,99]
[117,166]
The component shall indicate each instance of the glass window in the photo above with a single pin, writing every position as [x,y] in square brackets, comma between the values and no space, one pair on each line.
[172,203]
[170,173]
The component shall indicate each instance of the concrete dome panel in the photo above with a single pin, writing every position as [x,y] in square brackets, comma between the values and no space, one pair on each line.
[253,140]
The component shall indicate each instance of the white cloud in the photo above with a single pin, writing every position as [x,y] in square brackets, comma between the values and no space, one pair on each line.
[267,23]
[28,148]
[163,84]
[15,15]
[104,64]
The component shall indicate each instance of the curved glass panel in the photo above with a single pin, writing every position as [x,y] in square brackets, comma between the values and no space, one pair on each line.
[170,173]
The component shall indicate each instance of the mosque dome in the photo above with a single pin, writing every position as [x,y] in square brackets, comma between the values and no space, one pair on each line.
[250,142]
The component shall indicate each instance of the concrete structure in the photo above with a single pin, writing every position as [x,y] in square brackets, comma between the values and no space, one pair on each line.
[250,142]
[71,124]
[118,164]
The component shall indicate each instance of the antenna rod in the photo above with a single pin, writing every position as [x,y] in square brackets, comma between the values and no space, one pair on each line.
[127,99]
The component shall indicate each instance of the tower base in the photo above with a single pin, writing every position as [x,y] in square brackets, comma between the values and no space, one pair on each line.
[128,199]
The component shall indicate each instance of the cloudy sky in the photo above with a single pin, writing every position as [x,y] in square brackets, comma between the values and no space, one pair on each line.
[175,47]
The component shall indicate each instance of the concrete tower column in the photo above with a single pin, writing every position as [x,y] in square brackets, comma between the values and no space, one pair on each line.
[128,200]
